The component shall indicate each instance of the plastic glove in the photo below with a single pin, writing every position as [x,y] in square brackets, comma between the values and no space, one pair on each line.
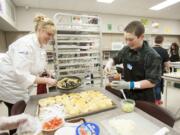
[108,66]
[12,122]
[118,85]
[50,81]
[32,126]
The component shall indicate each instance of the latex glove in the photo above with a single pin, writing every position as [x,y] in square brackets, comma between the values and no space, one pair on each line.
[118,85]
[32,126]
[50,81]
[108,66]
[12,122]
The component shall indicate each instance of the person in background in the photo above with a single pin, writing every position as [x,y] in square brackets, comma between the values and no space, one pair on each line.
[165,67]
[24,61]
[142,65]
[174,52]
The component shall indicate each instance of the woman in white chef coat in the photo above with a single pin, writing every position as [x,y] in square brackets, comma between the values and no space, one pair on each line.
[24,61]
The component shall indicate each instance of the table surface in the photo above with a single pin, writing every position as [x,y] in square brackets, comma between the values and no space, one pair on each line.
[166,80]
[169,78]
[32,105]
[175,64]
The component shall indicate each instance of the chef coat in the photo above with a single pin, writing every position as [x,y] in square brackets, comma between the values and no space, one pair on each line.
[23,61]
[142,64]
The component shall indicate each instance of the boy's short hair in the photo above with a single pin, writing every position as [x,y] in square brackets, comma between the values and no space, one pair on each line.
[159,39]
[135,27]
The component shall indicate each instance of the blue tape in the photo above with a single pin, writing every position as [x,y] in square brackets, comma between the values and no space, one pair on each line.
[132,85]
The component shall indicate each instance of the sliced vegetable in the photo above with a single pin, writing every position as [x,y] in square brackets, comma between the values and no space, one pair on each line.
[53,124]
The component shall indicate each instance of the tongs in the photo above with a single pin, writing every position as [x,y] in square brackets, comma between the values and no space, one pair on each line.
[122,91]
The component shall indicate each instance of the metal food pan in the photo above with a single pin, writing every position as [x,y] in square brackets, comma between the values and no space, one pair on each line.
[88,113]
[71,88]
[92,112]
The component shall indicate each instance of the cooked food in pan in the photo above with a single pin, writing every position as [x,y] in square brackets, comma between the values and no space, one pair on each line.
[69,83]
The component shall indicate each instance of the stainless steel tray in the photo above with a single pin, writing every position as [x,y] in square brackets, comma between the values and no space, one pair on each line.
[92,112]
[84,114]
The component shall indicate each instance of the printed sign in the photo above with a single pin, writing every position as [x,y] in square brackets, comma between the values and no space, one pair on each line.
[109,26]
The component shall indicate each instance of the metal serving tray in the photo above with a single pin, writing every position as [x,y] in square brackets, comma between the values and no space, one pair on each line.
[84,114]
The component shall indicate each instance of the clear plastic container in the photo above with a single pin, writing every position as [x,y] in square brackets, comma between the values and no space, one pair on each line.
[128,105]
[114,77]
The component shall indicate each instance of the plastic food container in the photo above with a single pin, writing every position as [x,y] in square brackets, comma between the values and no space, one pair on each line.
[128,105]
[114,77]
[88,128]
[52,124]
[117,76]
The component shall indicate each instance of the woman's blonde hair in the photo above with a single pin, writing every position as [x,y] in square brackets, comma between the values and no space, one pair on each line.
[43,22]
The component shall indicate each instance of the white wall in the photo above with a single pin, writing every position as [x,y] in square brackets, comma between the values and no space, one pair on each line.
[7,15]
[169,27]
[6,38]
[12,36]
[108,38]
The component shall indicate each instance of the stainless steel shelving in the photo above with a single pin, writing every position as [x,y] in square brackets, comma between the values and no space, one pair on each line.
[77,47]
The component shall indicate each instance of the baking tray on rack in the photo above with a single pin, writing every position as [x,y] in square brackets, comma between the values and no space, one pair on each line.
[68,117]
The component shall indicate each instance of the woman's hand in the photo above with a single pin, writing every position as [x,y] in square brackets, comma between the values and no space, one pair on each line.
[45,80]
[51,82]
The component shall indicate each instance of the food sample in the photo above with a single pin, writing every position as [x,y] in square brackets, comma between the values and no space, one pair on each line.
[78,103]
[50,111]
[68,83]
[53,124]
[127,105]
[47,101]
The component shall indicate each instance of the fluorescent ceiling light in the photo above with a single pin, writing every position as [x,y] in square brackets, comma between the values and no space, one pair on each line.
[105,1]
[164,4]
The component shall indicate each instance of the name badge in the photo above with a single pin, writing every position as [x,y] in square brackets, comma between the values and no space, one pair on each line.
[129,66]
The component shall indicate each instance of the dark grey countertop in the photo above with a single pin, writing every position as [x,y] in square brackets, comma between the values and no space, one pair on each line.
[98,117]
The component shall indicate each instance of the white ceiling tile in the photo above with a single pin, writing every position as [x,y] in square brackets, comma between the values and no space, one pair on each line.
[123,7]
